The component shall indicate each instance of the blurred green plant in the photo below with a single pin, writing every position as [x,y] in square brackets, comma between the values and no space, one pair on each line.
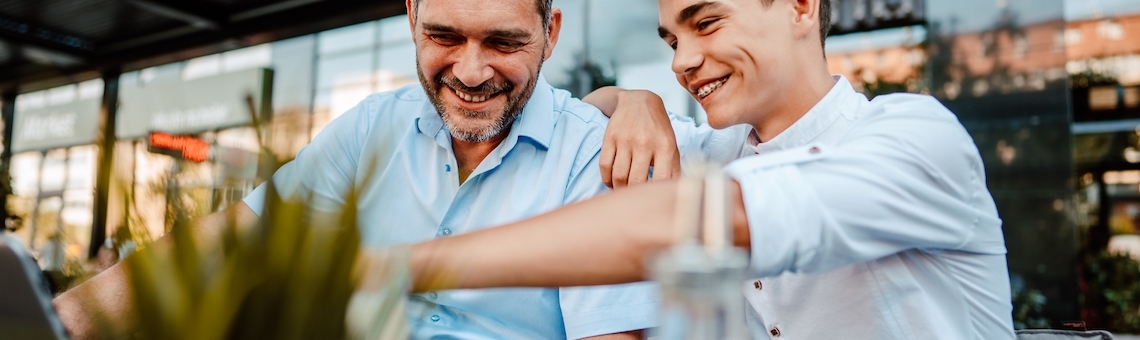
[1027,305]
[294,275]
[1113,290]
[291,277]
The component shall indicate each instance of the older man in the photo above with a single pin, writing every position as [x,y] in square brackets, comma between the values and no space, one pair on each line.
[483,141]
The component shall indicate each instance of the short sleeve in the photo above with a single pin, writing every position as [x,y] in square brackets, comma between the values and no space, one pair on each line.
[598,310]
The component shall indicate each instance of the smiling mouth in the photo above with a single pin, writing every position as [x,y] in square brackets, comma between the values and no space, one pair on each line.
[709,88]
[473,98]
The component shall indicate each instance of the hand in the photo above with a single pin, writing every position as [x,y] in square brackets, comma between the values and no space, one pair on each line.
[639,135]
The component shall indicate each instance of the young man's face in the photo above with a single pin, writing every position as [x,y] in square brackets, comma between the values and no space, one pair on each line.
[733,56]
[479,60]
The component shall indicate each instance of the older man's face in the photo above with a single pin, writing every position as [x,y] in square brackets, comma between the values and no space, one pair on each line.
[479,60]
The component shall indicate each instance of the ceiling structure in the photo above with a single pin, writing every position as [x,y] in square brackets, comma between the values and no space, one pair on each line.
[46,43]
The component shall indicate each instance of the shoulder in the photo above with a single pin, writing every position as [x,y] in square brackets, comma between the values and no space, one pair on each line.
[576,113]
[918,128]
[389,107]
[911,115]
[577,133]
[577,121]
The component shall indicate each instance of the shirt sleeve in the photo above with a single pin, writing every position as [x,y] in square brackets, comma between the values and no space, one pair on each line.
[909,182]
[597,310]
[324,171]
[704,143]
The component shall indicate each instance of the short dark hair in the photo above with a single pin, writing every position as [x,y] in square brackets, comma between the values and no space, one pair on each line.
[545,8]
[824,18]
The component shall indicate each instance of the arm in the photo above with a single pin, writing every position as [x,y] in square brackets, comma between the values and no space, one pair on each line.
[631,335]
[106,298]
[598,241]
[913,183]
[910,180]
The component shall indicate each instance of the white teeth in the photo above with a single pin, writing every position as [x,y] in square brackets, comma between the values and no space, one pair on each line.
[708,89]
[470,98]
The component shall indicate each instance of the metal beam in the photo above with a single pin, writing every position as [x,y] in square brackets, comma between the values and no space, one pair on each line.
[106,144]
[198,15]
[8,107]
[25,34]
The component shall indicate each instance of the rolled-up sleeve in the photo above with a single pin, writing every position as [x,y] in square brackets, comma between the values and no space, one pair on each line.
[905,182]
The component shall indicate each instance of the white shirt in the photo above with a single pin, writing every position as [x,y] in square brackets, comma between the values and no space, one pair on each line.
[394,151]
[869,220]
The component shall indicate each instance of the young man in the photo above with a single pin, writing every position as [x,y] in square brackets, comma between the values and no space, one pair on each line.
[468,149]
[865,219]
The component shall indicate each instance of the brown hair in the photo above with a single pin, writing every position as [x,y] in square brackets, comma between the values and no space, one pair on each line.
[824,18]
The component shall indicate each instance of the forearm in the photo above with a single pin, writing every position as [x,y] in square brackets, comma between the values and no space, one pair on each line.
[599,241]
[630,335]
[103,307]
[605,99]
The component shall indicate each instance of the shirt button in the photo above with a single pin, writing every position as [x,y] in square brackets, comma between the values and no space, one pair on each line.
[775,331]
[446,231]
[434,318]
[433,295]
[447,168]
[758,285]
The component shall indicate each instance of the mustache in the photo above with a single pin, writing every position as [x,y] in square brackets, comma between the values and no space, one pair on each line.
[488,87]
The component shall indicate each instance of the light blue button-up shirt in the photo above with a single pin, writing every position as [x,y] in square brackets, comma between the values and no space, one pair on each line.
[394,150]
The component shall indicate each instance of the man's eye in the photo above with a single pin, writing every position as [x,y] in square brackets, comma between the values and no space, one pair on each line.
[445,39]
[703,24]
[507,45]
[673,45]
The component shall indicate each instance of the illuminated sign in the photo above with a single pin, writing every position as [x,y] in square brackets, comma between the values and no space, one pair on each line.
[185,147]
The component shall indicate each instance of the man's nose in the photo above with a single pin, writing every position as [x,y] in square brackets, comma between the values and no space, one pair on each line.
[686,58]
[473,65]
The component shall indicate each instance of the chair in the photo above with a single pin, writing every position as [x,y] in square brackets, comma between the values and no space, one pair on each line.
[1057,334]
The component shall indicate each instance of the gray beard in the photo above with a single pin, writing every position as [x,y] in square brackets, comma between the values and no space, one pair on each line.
[514,107]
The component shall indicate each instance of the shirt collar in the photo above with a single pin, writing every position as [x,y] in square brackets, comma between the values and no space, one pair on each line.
[536,122]
[840,101]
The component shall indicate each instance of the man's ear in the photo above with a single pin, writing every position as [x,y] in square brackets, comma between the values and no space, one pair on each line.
[806,21]
[552,32]
[411,7]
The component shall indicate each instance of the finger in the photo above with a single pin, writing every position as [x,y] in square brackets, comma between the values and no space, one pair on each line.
[639,167]
[666,165]
[621,167]
[606,161]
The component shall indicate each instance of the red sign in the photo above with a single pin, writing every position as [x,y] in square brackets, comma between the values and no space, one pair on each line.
[185,147]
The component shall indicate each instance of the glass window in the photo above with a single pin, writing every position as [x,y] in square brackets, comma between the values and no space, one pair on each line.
[395,30]
[345,70]
[347,38]
[397,67]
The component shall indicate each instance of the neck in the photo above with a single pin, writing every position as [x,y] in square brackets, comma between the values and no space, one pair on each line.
[470,154]
[799,99]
